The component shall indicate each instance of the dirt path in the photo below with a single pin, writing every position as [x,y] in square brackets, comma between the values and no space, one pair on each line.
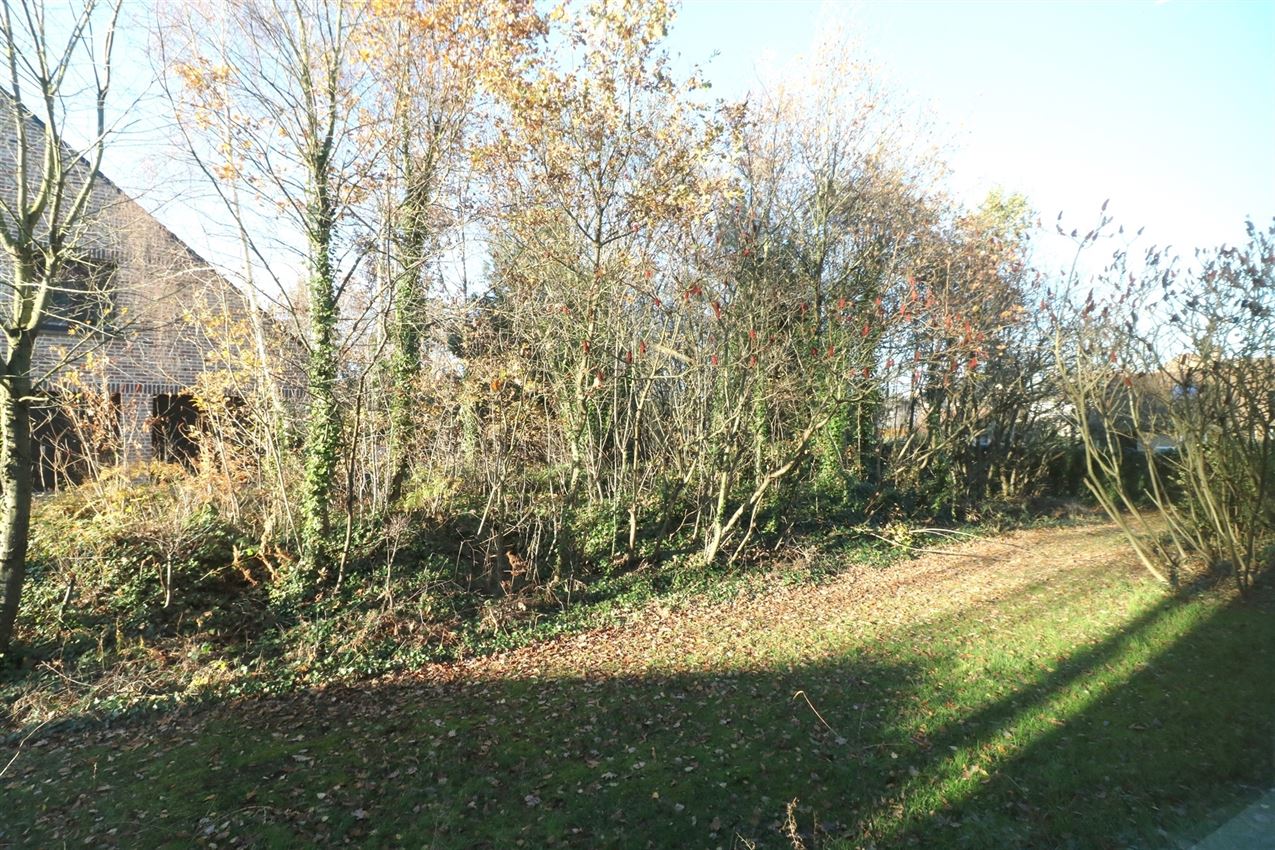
[860,600]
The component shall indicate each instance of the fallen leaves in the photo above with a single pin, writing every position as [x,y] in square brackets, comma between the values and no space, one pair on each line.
[683,721]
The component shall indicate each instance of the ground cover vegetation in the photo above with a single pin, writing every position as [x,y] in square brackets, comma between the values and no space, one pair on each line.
[577,410]
[1035,690]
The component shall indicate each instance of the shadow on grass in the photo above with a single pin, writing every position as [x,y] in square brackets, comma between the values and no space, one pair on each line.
[896,746]
[1158,757]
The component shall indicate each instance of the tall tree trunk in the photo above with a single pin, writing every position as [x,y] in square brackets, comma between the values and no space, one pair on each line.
[323,425]
[405,366]
[407,330]
[16,479]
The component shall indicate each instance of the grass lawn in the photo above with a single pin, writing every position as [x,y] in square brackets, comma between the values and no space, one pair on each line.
[1032,691]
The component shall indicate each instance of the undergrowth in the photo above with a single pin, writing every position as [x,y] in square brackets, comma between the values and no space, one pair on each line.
[1039,692]
[143,597]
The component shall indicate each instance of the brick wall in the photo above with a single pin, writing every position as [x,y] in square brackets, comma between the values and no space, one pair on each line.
[156,345]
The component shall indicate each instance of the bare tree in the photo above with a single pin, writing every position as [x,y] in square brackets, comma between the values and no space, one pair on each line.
[43,219]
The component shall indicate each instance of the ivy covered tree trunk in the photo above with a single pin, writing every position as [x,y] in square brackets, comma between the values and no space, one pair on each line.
[286,83]
[405,367]
[323,423]
[409,316]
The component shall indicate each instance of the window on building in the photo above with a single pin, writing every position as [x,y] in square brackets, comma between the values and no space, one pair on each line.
[82,295]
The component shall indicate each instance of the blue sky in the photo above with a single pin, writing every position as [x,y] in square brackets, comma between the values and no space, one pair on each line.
[1166,108]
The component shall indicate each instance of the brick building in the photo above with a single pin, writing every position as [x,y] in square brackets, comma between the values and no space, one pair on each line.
[135,303]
